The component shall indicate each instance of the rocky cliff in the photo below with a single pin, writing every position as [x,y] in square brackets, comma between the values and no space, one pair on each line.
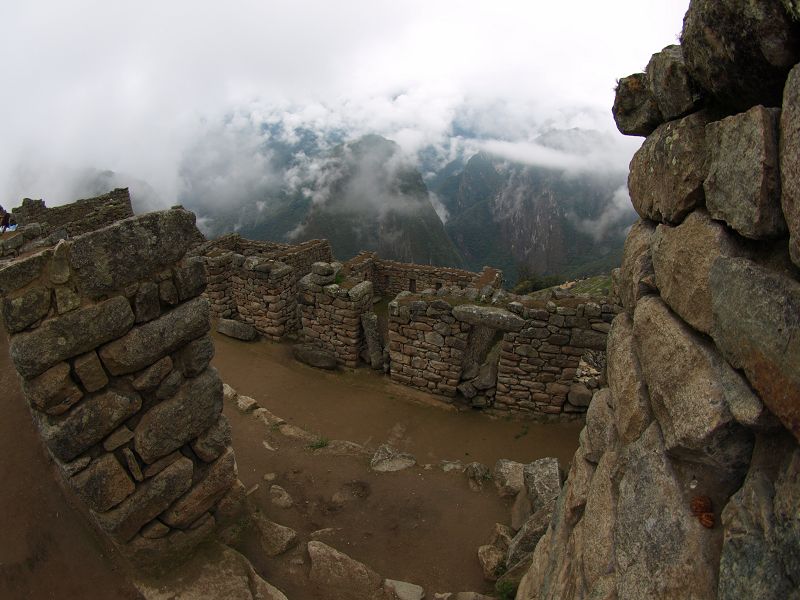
[687,480]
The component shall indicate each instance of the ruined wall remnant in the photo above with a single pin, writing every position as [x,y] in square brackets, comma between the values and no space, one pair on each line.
[535,371]
[78,217]
[331,312]
[687,479]
[391,277]
[109,334]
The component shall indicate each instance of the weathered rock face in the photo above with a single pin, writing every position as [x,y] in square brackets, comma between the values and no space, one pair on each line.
[667,172]
[789,148]
[687,479]
[117,379]
[740,52]
[675,92]
[635,107]
[340,575]
[743,187]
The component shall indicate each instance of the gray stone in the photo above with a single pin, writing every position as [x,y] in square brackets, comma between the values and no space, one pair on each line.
[103,484]
[213,441]
[151,377]
[524,542]
[190,278]
[280,497]
[751,564]
[520,510]
[76,466]
[20,273]
[635,107]
[120,437]
[273,539]
[360,290]
[170,385]
[341,576]
[169,425]
[87,423]
[322,268]
[542,479]
[161,464]
[631,401]
[487,316]
[740,52]
[314,357]
[237,330]
[90,371]
[789,151]
[53,391]
[682,258]
[147,343]
[477,473]
[150,499]
[215,480]
[599,518]
[146,303]
[743,187]
[71,334]
[600,431]
[675,92]
[133,464]
[661,550]
[372,335]
[492,561]
[167,292]
[487,376]
[691,389]
[579,395]
[195,356]
[636,276]
[508,477]
[66,300]
[467,390]
[109,259]
[246,404]
[402,590]
[386,459]
[756,320]
[22,311]
[667,172]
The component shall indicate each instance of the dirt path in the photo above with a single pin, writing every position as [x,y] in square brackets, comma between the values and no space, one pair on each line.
[420,525]
[47,549]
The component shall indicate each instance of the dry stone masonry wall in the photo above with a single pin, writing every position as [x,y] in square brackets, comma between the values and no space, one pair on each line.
[686,483]
[109,335]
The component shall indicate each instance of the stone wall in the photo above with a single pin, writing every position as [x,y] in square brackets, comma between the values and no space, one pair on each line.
[686,482]
[431,340]
[109,335]
[78,217]
[390,277]
[331,313]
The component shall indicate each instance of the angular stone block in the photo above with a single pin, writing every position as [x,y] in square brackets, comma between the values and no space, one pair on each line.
[147,343]
[146,302]
[90,371]
[87,423]
[20,273]
[213,441]
[691,390]
[190,278]
[169,425]
[237,330]
[682,259]
[740,52]
[636,276]
[667,172]
[71,334]
[789,151]
[635,108]
[743,187]
[103,484]
[151,377]
[195,356]
[213,484]
[542,479]
[22,311]
[149,500]
[107,260]
[756,323]
[673,88]
[53,391]
[488,316]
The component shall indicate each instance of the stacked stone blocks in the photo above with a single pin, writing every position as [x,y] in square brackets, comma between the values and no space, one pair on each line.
[109,334]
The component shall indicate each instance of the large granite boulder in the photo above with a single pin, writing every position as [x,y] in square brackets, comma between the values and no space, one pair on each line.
[667,172]
[237,330]
[341,576]
[740,52]
[743,187]
[789,151]
[682,259]
[635,107]
[692,389]
[672,86]
[756,324]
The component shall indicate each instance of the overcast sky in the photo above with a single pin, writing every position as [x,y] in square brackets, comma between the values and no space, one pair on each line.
[129,86]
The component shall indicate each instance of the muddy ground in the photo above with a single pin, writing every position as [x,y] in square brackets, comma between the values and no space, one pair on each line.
[420,525]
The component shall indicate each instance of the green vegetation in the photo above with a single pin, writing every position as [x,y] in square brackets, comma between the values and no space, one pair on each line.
[320,442]
[506,590]
[599,285]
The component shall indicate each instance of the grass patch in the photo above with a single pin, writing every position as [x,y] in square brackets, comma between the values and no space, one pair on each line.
[506,590]
[318,443]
